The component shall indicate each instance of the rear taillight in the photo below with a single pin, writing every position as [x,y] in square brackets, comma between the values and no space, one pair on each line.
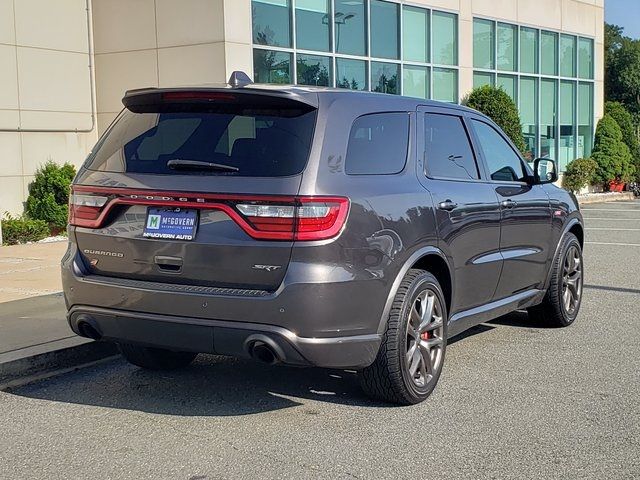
[262,217]
[309,218]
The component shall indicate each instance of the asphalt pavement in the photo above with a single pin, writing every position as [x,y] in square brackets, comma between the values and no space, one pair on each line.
[514,401]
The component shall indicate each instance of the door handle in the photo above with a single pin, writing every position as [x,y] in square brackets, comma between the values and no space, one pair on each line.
[447,205]
[508,203]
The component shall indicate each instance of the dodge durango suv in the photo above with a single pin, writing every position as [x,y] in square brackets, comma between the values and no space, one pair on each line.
[312,227]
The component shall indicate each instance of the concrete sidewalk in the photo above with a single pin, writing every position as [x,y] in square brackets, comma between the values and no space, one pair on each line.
[34,334]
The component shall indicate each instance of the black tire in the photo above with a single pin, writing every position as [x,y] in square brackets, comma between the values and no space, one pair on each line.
[553,312]
[389,377]
[155,358]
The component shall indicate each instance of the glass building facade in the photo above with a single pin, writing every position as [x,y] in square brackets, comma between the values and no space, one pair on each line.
[550,77]
[376,45]
[398,47]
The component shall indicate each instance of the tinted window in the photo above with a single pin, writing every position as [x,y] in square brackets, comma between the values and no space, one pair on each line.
[260,143]
[504,164]
[448,153]
[378,144]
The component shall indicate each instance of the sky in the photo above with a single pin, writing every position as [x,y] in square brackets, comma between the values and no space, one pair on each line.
[625,13]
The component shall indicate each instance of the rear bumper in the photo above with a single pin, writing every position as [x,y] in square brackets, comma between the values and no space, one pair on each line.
[223,338]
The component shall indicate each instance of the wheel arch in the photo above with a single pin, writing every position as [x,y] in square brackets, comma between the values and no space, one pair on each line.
[573,226]
[430,259]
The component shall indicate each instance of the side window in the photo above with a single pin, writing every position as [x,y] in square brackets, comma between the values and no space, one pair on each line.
[378,144]
[448,153]
[504,164]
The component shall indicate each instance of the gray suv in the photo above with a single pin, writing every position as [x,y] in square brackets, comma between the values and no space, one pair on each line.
[312,227]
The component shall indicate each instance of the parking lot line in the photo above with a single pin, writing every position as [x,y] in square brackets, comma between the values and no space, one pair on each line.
[612,243]
[615,229]
[614,219]
[610,210]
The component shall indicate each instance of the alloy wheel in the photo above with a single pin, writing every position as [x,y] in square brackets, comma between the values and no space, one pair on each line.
[572,280]
[425,342]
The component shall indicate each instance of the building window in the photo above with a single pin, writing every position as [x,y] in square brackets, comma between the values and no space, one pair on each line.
[385,26]
[314,70]
[540,70]
[528,50]
[445,85]
[379,45]
[548,53]
[567,56]
[507,47]
[415,81]
[270,66]
[585,58]
[483,43]
[445,38]
[312,25]
[271,22]
[416,34]
[350,26]
[385,77]
[351,74]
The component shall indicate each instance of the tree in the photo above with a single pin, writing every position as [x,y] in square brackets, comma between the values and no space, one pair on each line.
[611,153]
[622,68]
[626,123]
[497,105]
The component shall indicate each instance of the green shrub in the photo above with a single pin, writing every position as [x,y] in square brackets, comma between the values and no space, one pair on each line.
[497,105]
[611,153]
[579,173]
[625,121]
[49,194]
[21,229]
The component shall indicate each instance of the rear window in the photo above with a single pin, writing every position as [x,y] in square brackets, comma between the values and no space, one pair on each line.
[378,144]
[270,142]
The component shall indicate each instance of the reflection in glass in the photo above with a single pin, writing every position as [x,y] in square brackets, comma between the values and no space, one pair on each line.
[507,47]
[548,118]
[528,50]
[585,58]
[312,25]
[385,29]
[271,67]
[445,85]
[508,84]
[271,22]
[481,79]
[585,120]
[549,53]
[415,81]
[415,22]
[567,147]
[528,115]
[314,70]
[444,28]
[384,77]
[351,74]
[349,23]
[567,56]
[483,43]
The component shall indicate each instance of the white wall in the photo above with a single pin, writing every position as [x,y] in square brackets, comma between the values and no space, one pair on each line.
[45,84]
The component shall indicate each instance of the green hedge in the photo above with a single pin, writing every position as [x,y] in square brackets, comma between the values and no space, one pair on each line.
[49,194]
[17,230]
[497,105]
[579,174]
[611,153]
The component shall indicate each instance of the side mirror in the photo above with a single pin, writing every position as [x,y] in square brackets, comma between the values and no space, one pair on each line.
[545,170]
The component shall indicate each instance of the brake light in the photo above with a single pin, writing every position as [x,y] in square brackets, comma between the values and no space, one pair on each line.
[195,95]
[263,217]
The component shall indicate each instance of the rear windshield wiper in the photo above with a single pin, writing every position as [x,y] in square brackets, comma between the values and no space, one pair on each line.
[178,164]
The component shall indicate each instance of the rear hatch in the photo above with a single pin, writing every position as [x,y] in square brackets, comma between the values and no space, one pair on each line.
[199,187]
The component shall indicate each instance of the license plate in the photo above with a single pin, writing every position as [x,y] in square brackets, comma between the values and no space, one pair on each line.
[171,224]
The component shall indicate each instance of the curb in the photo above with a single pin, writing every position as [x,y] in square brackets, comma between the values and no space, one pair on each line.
[605,197]
[29,368]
